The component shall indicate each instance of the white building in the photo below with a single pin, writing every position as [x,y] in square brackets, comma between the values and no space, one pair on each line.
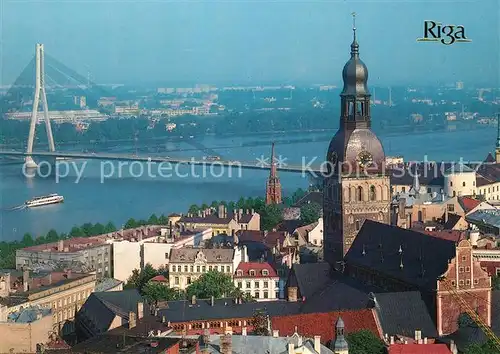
[459,180]
[311,234]
[260,280]
[62,116]
[188,264]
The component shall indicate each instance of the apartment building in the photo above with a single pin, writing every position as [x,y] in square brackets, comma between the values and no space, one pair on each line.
[259,280]
[151,247]
[188,264]
[220,221]
[61,292]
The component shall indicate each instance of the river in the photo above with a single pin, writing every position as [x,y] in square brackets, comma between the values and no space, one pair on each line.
[122,196]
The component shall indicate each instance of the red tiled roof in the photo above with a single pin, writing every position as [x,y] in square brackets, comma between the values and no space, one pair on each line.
[243,270]
[159,278]
[323,324]
[468,203]
[419,349]
[450,235]
[269,239]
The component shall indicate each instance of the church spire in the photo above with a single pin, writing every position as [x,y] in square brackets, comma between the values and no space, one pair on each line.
[273,187]
[354,45]
[497,149]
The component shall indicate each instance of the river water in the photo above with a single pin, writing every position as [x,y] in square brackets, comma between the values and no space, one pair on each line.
[125,194]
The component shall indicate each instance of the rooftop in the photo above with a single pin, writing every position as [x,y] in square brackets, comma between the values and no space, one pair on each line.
[419,349]
[109,343]
[107,284]
[28,314]
[261,270]
[209,255]
[487,217]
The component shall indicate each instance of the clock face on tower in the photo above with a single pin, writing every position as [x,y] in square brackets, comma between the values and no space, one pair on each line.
[364,158]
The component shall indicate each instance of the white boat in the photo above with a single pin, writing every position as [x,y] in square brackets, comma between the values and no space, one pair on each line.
[44,200]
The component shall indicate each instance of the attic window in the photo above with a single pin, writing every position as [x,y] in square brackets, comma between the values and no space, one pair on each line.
[239,272]
[265,272]
[218,258]
[252,272]
[182,257]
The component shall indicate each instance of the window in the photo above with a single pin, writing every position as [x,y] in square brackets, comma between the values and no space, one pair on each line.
[451,183]
[476,281]
[248,285]
[197,269]
[467,269]
[463,184]
[373,193]
[209,268]
[228,269]
[191,268]
[166,255]
[265,272]
[186,268]
[403,189]
[266,285]
[359,194]
[176,281]
[240,285]
[277,284]
[467,281]
[461,269]
[454,193]
[257,283]
[277,295]
[452,283]
[266,295]
[357,225]
[429,190]
[239,272]
[461,282]
[464,258]
[256,295]
[218,258]
[252,272]
[451,207]
[203,269]
[188,280]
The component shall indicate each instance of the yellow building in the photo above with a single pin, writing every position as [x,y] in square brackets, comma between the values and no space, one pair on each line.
[63,292]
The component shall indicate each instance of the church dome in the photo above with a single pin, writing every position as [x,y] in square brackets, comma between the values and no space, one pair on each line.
[355,73]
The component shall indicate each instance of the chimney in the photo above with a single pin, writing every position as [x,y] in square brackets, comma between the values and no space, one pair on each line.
[211,301]
[49,278]
[445,213]
[317,343]
[26,279]
[276,333]
[131,320]
[60,246]
[140,310]
[240,213]
[453,347]
[220,211]
[226,344]
[291,348]
[253,211]
[243,331]
[68,273]
[392,340]
[401,207]
[425,340]
[193,300]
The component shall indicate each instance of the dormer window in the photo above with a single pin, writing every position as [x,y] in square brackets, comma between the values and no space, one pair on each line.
[239,272]
[265,272]
[218,258]
[252,272]
[182,257]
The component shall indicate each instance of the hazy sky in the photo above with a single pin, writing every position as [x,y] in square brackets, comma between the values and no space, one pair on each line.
[251,41]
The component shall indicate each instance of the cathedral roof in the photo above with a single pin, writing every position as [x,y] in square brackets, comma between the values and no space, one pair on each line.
[402,254]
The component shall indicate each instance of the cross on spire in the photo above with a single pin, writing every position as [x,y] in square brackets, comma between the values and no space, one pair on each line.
[354,45]
[354,23]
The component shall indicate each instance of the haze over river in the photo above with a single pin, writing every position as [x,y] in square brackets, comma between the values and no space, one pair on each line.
[121,197]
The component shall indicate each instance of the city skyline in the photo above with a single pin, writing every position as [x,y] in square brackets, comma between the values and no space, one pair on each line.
[295,42]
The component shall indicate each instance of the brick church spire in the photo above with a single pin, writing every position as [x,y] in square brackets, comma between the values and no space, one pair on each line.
[273,186]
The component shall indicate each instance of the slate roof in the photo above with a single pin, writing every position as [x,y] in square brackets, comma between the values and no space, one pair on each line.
[183,310]
[419,349]
[459,168]
[401,313]
[212,255]
[488,217]
[490,158]
[108,343]
[106,284]
[28,314]
[429,174]
[424,258]
[490,172]
[453,220]
[243,270]
[100,308]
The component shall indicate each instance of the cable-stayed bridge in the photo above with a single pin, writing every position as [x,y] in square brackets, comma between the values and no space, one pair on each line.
[45,71]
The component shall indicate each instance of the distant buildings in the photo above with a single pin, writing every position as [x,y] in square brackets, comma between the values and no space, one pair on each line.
[58,117]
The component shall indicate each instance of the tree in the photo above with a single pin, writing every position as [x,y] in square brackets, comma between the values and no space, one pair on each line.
[155,291]
[27,240]
[485,348]
[270,217]
[214,204]
[87,229]
[163,220]
[52,236]
[310,213]
[260,323]
[98,229]
[210,284]
[193,209]
[110,227]
[76,232]
[363,342]
[131,223]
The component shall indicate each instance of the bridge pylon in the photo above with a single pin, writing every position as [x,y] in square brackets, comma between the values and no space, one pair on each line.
[39,94]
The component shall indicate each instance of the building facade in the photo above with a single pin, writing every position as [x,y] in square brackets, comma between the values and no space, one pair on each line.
[259,280]
[188,264]
[356,188]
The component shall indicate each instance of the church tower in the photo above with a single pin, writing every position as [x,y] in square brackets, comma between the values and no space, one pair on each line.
[273,186]
[339,346]
[356,187]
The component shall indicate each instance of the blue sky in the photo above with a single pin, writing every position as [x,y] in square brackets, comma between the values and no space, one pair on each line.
[251,41]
